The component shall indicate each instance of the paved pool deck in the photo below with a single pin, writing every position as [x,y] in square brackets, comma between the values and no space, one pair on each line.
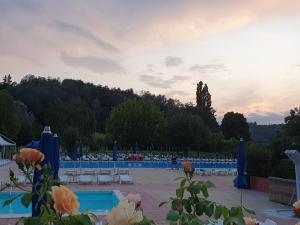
[157,185]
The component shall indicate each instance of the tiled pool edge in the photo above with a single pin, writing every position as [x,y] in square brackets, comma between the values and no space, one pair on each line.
[117,193]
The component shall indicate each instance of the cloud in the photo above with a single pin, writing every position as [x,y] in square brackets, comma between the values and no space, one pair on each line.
[267,117]
[173,61]
[78,31]
[154,81]
[174,93]
[205,68]
[93,63]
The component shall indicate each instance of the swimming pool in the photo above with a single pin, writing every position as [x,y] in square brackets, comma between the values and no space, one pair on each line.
[143,164]
[96,202]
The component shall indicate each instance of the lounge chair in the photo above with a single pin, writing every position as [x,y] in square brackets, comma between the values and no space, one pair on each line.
[85,179]
[269,222]
[104,179]
[128,179]
[105,172]
[21,179]
[64,179]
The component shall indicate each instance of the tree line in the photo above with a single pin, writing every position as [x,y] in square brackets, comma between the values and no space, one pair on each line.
[96,115]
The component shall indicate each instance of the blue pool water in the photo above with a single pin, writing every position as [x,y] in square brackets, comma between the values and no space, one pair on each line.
[143,164]
[97,202]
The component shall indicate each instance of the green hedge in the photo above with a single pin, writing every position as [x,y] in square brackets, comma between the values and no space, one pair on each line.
[284,169]
[258,160]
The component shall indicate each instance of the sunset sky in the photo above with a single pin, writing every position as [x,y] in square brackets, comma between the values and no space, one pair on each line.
[248,52]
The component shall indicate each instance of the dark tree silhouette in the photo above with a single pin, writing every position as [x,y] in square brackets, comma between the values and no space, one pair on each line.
[234,125]
[203,97]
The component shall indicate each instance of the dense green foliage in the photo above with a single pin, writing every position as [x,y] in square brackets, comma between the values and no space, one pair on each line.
[136,121]
[258,160]
[234,125]
[78,110]
[8,117]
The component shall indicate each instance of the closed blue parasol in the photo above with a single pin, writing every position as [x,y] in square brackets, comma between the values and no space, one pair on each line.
[55,151]
[136,148]
[240,181]
[75,153]
[114,152]
[46,148]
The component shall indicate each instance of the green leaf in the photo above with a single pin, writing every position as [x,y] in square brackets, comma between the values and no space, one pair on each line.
[196,221]
[179,192]
[225,212]
[45,217]
[234,221]
[187,205]
[209,184]
[173,215]
[182,183]
[250,211]
[209,210]
[175,203]
[163,203]
[32,221]
[204,191]
[26,199]
[10,201]
[218,212]
[179,178]
[236,211]
[199,208]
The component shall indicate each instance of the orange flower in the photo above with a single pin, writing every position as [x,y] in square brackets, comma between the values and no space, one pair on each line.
[187,166]
[65,201]
[32,155]
[28,156]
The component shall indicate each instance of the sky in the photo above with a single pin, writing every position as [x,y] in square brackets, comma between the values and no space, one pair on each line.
[246,51]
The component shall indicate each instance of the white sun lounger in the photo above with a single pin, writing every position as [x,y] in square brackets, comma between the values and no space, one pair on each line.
[104,179]
[128,179]
[64,179]
[85,179]
[21,179]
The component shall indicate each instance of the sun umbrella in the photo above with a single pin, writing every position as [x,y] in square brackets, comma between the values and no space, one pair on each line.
[136,148]
[55,151]
[240,181]
[75,153]
[46,148]
[114,151]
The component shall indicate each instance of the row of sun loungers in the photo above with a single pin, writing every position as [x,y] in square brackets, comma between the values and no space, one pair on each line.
[220,172]
[4,162]
[101,177]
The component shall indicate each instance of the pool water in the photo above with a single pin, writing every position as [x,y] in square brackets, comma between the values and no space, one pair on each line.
[143,164]
[96,202]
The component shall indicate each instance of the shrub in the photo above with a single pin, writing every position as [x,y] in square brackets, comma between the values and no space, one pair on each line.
[258,160]
[284,169]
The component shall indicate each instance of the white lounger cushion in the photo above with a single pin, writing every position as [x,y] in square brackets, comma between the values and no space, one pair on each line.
[126,179]
[104,179]
[85,179]
[64,178]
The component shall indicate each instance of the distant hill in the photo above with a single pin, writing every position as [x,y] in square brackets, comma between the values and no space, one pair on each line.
[263,133]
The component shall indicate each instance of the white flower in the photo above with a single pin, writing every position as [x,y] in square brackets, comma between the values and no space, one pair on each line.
[297,204]
[125,214]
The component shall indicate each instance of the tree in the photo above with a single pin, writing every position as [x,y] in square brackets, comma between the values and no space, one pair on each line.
[9,124]
[292,123]
[136,121]
[204,106]
[187,131]
[234,125]
[7,81]
[26,121]
[70,139]
[203,97]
